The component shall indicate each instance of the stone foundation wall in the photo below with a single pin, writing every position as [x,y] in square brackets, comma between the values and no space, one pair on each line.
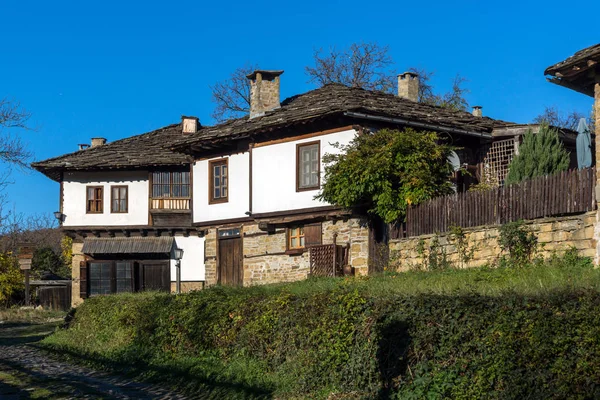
[264,255]
[187,286]
[554,235]
[78,256]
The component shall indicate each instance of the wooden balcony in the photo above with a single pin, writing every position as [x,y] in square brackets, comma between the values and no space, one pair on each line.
[171,211]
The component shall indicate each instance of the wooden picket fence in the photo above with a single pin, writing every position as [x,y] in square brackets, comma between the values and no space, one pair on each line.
[568,192]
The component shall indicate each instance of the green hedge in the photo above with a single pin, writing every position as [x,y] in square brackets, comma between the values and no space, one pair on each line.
[269,343]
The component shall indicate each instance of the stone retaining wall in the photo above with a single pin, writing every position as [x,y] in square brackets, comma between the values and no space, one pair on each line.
[554,235]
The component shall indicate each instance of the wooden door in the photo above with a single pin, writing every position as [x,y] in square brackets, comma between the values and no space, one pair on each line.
[230,261]
[156,276]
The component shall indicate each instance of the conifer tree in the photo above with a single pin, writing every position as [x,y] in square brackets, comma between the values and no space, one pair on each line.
[540,154]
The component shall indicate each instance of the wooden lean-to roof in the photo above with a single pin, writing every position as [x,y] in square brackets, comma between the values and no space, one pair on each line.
[147,150]
[334,100]
[579,72]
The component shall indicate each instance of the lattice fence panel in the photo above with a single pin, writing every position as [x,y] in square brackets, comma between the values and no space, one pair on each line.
[322,260]
[497,161]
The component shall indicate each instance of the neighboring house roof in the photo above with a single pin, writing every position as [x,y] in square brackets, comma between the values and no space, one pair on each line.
[337,99]
[150,149]
[574,71]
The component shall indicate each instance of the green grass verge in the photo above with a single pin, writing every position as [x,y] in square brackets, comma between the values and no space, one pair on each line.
[479,333]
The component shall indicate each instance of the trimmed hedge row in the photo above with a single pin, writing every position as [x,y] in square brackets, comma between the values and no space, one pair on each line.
[345,340]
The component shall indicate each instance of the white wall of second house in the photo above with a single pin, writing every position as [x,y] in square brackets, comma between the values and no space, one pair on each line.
[192,263]
[274,174]
[74,198]
[239,189]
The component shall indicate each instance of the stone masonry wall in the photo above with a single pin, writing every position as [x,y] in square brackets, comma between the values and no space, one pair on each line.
[554,235]
[78,256]
[264,255]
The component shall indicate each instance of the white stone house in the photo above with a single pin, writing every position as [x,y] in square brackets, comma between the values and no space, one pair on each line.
[239,197]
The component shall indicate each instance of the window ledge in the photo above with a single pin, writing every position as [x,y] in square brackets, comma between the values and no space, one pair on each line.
[295,252]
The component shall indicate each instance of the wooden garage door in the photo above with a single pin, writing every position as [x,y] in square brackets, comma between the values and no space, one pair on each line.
[230,261]
[156,276]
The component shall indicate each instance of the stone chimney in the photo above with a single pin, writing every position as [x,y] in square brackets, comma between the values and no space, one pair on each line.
[98,141]
[408,86]
[189,124]
[264,92]
[477,111]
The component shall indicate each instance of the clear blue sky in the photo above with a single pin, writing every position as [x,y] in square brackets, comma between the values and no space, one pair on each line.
[119,68]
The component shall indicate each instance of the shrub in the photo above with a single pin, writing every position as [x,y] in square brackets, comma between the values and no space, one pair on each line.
[351,337]
[540,154]
[518,242]
[11,278]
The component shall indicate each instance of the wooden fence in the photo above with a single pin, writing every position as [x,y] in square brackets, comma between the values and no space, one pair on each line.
[565,193]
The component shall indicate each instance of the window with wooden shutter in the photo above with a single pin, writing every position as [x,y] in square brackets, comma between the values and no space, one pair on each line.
[83,281]
[94,199]
[303,236]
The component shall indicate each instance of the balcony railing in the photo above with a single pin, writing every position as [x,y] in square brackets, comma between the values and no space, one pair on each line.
[170,203]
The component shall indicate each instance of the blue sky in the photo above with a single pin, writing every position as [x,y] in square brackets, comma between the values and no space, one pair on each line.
[115,69]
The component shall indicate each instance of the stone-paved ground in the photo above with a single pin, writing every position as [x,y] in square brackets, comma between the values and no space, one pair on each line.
[27,372]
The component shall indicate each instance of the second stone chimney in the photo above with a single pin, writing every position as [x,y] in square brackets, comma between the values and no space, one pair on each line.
[189,124]
[264,91]
[477,111]
[408,86]
[98,141]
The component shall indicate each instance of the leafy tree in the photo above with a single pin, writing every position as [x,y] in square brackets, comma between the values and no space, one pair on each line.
[11,278]
[540,154]
[363,65]
[46,260]
[385,172]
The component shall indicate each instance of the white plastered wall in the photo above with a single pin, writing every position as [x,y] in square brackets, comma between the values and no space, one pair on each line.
[238,196]
[274,174]
[74,200]
[192,263]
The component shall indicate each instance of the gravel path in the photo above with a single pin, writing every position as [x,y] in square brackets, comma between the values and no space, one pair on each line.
[25,369]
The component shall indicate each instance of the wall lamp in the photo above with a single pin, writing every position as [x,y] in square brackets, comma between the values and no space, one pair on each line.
[178,256]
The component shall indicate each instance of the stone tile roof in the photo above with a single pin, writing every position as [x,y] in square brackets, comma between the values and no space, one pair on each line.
[577,72]
[166,146]
[335,99]
[576,58]
[146,150]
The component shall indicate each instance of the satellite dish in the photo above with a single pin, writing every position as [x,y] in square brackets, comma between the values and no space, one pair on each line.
[454,160]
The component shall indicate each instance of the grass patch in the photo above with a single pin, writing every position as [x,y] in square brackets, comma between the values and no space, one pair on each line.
[29,315]
[531,332]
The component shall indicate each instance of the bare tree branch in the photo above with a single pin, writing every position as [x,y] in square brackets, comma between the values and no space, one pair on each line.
[232,96]
[554,117]
[453,99]
[12,150]
[364,65]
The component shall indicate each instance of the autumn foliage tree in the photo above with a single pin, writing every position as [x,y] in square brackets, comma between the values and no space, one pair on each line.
[382,173]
